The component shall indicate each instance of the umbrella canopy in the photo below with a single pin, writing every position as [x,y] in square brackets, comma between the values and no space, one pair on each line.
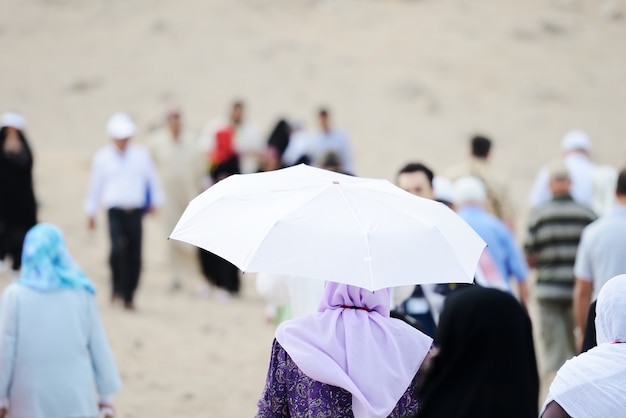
[309,222]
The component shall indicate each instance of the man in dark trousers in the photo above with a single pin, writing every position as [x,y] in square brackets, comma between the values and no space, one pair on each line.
[554,232]
[123,180]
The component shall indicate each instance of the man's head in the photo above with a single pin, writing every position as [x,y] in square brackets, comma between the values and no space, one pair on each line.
[324,119]
[469,191]
[417,179]
[236,114]
[121,128]
[620,190]
[560,180]
[174,123]
[481,146]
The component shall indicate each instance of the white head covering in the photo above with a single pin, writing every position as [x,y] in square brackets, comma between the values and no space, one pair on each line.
[592,384]
[13,120]
[444,191]
[469,190]
[121,126]
[575,140]
[611,311]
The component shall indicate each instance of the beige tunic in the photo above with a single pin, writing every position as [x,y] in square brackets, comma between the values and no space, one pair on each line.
[180,166]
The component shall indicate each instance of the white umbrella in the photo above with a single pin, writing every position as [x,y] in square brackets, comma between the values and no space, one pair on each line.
[309,222]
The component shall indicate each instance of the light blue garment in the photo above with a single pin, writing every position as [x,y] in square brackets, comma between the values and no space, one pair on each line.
[47,264]
[500,242]
[54,355]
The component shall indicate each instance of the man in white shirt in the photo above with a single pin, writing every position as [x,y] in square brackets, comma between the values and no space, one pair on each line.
[123,180]
[575,146]
[331,142]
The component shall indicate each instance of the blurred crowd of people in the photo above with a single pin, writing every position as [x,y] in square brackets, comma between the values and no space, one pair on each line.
[483,363]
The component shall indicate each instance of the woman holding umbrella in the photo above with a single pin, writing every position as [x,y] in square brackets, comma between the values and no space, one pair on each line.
[349,359]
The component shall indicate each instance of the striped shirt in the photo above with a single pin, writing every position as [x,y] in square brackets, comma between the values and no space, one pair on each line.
[554,232]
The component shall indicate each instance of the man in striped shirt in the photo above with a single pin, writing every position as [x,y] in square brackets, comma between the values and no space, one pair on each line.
[554,232]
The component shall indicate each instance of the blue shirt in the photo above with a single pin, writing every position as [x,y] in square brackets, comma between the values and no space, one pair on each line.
[500,242]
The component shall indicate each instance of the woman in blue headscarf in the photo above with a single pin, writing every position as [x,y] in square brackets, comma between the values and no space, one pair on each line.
[54,355]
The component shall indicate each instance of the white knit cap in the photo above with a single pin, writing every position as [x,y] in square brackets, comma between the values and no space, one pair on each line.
[443,189]
[469,190]
[121,126]
[575,140]
[13,120]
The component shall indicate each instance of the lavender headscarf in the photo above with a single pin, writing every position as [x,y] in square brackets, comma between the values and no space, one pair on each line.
[363,351]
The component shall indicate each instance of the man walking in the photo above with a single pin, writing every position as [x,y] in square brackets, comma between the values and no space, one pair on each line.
[554,231]
[124,181]
[470,197]
[332,143]
[600,256]
[181,167]
[576,147]
[479,166]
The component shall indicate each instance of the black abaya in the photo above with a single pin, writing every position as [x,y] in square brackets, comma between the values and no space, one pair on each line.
[486,365]
[18,209]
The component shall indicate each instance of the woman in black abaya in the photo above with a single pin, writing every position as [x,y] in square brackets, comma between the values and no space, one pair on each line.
[485,363]
[218,272]
[18,209]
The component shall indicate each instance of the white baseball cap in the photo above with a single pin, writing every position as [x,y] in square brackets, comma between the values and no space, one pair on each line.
[121,126]
[575,140]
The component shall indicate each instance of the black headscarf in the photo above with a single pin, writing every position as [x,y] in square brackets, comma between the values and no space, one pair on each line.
[279,138]
[17,199]
[486,364]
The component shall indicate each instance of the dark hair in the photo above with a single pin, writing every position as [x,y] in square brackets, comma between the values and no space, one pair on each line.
[331,159]
[238,103]
[279,138]
[621,183]
[481,146]
[416,167]
[323,112]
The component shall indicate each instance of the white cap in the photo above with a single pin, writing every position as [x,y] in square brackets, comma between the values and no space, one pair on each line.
[443,189]
[469,190]
[575,140]
[121,126]
[13,120]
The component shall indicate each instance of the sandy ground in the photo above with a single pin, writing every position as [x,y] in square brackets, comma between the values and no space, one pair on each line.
[408,80]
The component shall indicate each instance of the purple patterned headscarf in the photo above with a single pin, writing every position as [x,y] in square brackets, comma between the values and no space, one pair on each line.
[352,343]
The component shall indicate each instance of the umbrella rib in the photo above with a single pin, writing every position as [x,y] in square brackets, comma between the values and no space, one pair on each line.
[369,253]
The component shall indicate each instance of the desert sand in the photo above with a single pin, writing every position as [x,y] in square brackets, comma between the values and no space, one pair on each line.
[407,79]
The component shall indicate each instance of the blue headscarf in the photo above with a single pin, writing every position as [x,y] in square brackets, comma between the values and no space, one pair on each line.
[47,264]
